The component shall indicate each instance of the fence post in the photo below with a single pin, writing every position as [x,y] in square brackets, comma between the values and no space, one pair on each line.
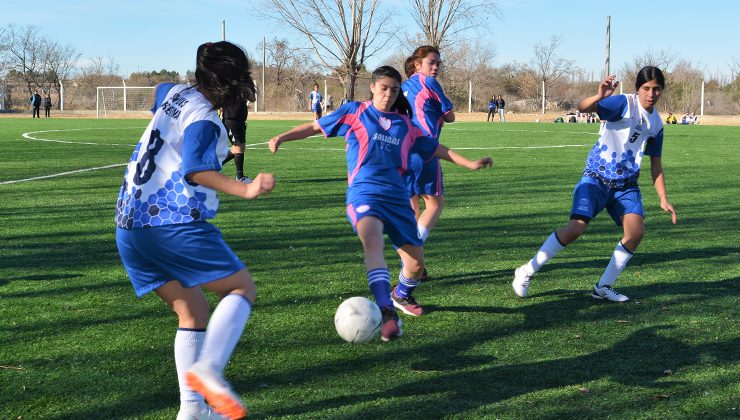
[470,96]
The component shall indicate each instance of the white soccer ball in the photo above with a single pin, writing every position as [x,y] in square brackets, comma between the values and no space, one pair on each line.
[358,320]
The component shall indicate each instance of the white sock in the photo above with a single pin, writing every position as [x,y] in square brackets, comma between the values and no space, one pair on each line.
[423,232]
[619,260]
[224,330]
[547,251]
[188,344]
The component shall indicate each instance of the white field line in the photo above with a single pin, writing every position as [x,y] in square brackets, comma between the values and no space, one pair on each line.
[63,173]
[31,136]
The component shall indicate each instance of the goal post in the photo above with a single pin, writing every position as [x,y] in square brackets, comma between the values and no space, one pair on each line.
[121,99]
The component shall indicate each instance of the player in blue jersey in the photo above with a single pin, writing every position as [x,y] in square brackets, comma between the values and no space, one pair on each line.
[314,101]
[633,128]
[430,109]
[166,244]
[380,137]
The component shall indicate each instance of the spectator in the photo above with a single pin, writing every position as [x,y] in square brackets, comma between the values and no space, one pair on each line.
[685,119]
[36,104]
[500,104]
[344,100]
[47,106]
[329,102]
[670,119]
[491,110]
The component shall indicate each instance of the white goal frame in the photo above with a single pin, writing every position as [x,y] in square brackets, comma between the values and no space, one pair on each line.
[122,95]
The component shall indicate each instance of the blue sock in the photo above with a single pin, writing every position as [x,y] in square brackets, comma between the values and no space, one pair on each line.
[405,286]
[379,280]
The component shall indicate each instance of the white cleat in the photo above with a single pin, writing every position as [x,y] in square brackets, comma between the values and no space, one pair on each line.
[198,411]
[521,282]
[607,293]
[217,392]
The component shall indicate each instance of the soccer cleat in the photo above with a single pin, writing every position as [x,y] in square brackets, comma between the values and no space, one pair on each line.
[198,411]
[607,293]
[407,305]
[391,327]
[245,179]
[205,381]
[521,282]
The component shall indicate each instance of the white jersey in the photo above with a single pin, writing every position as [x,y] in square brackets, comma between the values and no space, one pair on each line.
[629,132]
[315,98]
[184,136]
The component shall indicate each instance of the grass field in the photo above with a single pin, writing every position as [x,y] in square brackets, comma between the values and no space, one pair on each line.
[75,342]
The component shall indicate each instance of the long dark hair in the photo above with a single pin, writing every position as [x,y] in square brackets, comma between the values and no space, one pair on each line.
[222,73]
[409,66]
[647,74]
[421,53]
[401,105]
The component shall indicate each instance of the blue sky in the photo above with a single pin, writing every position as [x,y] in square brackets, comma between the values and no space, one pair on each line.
[156,34]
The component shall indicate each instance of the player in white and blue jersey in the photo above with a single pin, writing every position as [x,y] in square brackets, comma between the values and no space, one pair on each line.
[632,129]
[163,237]
[431,109]
[314,102]
[380,137]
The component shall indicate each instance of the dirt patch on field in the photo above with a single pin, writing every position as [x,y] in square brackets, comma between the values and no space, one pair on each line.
[730,120]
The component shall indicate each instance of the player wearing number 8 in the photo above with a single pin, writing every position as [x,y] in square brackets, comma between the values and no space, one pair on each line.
[633,128]
[164,239]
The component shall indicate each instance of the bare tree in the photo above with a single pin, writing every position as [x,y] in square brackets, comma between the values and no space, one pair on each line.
[441,21]
[24,52]
[60,62]
[548,66]
[285,61]
[662,59]
[342,33]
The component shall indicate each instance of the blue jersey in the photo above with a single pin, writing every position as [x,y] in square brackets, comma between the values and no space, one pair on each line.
[629,132]
[428,103]
[378,148]
[185,136]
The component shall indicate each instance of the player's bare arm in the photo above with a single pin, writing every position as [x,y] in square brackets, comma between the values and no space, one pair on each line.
[606,89]
[445,153]
[261,185]
[656,170]
[297,133]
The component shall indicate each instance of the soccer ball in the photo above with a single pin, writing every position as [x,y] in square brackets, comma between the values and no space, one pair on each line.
[358,320]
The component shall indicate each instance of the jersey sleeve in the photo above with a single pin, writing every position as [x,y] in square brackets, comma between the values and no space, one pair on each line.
[338,122]
[434,85]
[424,145]
[654,145]
[199,147]
[160,92]
[612,108]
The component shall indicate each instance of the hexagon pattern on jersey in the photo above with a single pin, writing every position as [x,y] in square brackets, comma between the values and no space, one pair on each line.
[169,205]
[618,172]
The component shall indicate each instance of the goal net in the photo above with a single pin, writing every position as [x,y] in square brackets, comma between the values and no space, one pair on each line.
[118,99]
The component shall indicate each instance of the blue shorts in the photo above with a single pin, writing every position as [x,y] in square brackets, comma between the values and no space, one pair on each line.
[316,108]
[398,220]
[590,197]
[191,253]
[424,178]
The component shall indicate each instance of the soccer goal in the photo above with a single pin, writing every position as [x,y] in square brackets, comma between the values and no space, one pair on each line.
[115,99]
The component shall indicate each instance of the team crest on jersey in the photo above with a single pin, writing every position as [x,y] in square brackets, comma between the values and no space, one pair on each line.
[385,123]
[362,209]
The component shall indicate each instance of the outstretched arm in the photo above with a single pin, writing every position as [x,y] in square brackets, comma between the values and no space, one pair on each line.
[261,185]
[297,133]
[656,170]
[445,153]
[606,88]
